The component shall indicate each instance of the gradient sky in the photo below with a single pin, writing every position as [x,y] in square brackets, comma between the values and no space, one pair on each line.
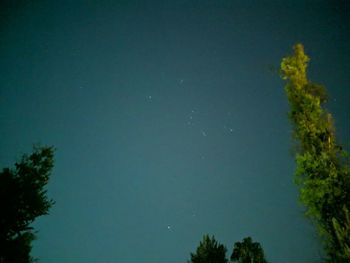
[167,120]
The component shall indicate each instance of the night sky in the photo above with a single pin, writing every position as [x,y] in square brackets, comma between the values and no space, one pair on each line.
[168,121]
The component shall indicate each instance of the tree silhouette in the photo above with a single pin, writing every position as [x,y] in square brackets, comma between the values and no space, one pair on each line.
[248,251]
[209,251]
[23,199]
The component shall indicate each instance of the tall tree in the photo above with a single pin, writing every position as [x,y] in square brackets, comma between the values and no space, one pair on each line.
[322,171]
[209,251]
[23,199]
[248,251]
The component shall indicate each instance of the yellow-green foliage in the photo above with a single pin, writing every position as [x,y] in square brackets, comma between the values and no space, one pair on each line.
[322,171]
[294,67]
[342,231]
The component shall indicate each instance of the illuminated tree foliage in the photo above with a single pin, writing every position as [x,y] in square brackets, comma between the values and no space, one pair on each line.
[322,171]
[22,200]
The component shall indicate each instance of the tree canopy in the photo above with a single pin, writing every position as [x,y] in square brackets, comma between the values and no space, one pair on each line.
[248,251]
[23,199]
[209,251]
[322,172]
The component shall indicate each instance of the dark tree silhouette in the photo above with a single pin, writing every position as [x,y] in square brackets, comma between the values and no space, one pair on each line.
[209,251]
[248,251]
[23,199]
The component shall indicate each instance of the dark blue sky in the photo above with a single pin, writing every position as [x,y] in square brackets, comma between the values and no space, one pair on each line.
[167,120]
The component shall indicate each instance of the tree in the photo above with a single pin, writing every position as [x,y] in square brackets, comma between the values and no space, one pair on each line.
[23,199]
[322,172]
[209,251]
[248,251]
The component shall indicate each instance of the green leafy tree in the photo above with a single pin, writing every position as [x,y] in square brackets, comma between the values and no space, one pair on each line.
[342,231]
[209,251]
[23,199]
[322,171]
[248,251]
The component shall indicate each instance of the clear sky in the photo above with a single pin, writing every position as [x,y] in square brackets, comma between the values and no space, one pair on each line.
[167,120]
